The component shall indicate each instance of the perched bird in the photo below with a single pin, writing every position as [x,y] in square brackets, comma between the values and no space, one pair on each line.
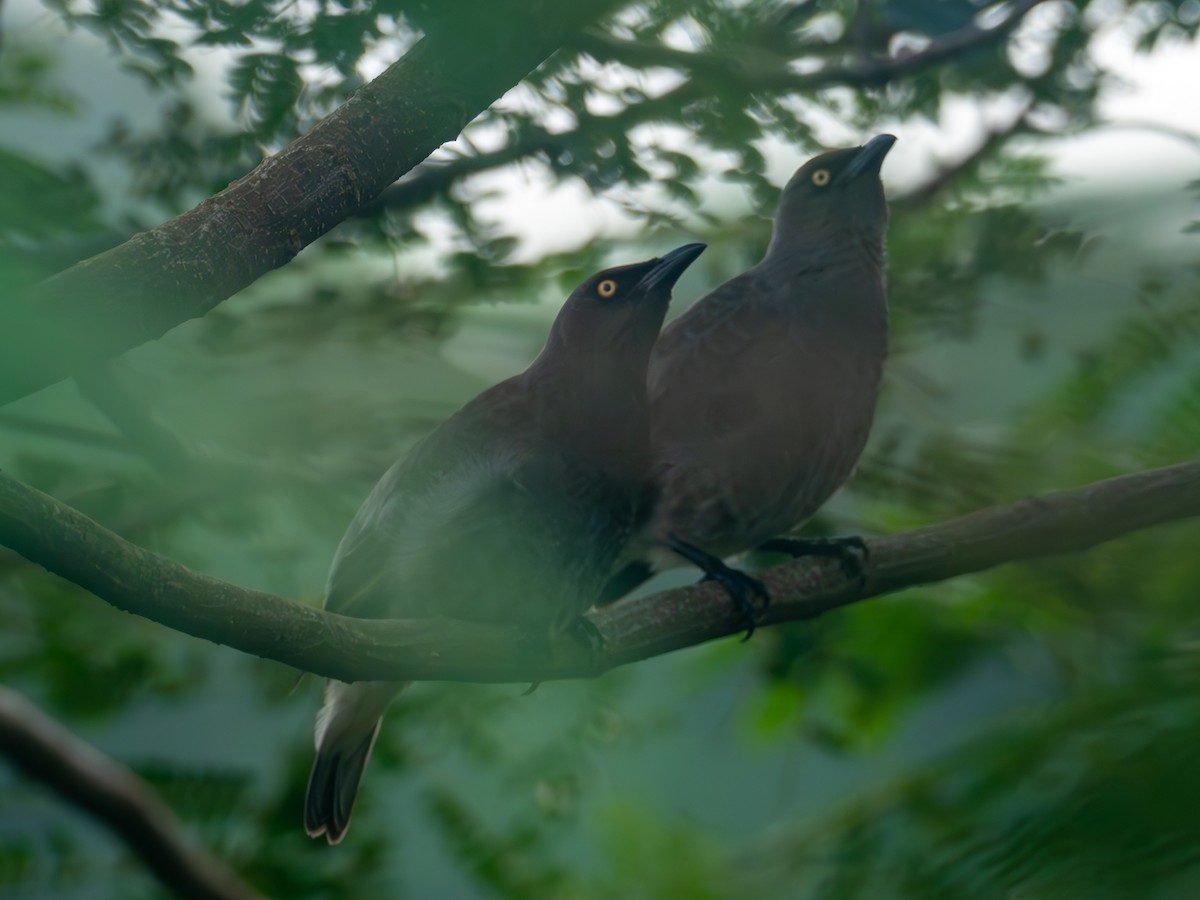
[762,394]
[513,510]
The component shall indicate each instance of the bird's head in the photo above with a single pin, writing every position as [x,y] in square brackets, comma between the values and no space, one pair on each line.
[621,309]
[834,195]
[590,379]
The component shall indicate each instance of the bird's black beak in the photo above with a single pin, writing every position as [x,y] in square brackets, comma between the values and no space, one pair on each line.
[667,268]
[869,157]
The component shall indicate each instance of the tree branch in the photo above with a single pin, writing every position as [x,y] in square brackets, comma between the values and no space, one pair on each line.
[753,73]
[104,386]
[431,179]
[775,74]
[82,775]
[963,40]
[88,437]
[992,141]
[183,268]
[131,578]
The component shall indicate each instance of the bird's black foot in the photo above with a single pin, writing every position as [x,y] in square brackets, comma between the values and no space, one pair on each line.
[540,642]
[740,586]
[535,643]
[850,552]
[586,631]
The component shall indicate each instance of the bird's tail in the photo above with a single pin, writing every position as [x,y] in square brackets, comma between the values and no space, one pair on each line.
[347,726]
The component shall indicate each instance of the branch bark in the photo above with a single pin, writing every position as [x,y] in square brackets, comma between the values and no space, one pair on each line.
[82,775]
[133,579]
[183,268]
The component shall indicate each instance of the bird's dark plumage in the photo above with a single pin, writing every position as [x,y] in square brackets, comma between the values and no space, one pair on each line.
[513,510]
[762,394]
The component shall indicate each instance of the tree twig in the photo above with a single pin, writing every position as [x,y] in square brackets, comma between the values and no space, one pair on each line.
[992,141]
[104,387]
[947,46]
[80,774]
[1178,133]
[77,434]
[433,178]
[131,578]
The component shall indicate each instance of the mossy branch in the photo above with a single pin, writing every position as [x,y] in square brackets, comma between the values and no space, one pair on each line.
[133,579]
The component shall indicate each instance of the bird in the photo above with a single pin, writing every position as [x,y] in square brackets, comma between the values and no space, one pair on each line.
[762,394]
[511,511]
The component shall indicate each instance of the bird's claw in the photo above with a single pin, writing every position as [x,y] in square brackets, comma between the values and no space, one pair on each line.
[535,642]
[740,586]
[585,629]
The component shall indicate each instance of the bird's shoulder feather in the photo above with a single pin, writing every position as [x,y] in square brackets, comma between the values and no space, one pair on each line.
[482,520]
[457,479]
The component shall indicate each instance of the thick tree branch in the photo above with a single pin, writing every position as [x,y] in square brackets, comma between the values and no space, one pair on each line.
[183,268]
[44,750]
[131,578]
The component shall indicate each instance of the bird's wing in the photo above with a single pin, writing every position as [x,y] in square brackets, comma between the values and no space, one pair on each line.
[404,520]
[471,525]
[447,481]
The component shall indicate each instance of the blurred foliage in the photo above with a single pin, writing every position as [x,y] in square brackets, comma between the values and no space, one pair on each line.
[1022,733]
[1089,799]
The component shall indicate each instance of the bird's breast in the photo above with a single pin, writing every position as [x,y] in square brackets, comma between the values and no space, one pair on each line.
[777,441]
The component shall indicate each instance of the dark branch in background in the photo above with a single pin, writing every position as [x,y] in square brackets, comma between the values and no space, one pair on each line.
[233,472]
[963,40]
[183,268]
[432,179]
[76,434]
[102,384]
[1180,134]
[80,774]
[992,142]
[765,74]
[131,578]
[747,70]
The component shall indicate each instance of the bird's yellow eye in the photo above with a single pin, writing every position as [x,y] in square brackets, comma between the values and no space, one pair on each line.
[606,288]
[820,177]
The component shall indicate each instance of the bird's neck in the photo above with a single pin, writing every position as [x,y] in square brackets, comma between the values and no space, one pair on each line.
[594,408]
[833,250]
[838,276]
